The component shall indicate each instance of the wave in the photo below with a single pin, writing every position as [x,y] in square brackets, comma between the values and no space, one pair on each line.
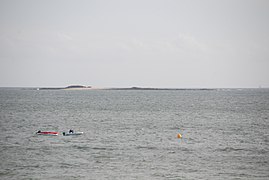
[147,147]
[103,148]
[231,149]
[252,150]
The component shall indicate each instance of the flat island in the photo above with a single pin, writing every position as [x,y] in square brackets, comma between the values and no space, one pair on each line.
[72,87]
[142,88]
[80,87]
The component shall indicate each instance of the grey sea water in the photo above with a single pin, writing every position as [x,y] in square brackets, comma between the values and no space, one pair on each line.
[133,134]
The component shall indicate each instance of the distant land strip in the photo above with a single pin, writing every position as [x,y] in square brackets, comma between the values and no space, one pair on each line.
[79,87]
[140,88]
[63,88]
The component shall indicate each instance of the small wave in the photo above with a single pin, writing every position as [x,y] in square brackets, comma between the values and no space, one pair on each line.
[5,173]
[146,147]
[81,147]
[99,148]
[31,148]
[230,149]
[175,128]
[262,151]
[183,149]
[30,166]
[67,165]
[103,148]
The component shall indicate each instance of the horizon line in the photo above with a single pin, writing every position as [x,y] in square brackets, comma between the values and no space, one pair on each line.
[133,87]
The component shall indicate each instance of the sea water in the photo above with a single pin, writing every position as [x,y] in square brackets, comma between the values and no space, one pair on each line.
[132,134]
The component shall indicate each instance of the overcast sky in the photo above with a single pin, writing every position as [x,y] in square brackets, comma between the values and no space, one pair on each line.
[123,43]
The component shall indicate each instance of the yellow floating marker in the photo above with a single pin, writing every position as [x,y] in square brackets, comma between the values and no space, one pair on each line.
[179,135]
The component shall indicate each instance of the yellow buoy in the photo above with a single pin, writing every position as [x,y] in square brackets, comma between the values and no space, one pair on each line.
[179,135]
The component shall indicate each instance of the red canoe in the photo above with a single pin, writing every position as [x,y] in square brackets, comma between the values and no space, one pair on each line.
[48,133]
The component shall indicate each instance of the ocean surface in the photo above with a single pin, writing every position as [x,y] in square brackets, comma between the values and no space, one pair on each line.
[132,134]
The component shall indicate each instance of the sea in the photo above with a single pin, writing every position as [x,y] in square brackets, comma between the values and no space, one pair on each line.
[133,134]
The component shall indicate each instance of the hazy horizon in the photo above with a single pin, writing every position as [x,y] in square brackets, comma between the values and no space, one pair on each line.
[122,43]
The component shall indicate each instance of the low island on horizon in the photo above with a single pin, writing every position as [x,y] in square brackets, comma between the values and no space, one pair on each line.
[66,88]
[81,87]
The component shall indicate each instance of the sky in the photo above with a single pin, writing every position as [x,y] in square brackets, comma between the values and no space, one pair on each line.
[142,43]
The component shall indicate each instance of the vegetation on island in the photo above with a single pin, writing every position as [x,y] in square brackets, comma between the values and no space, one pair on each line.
[68,87]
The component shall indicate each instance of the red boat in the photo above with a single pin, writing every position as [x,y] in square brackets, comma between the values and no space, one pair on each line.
[47,133]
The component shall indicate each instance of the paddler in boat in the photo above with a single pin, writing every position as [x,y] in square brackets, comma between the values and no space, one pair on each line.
[38,131]
[71,131]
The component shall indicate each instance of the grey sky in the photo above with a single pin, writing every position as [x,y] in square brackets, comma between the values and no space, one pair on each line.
[148,43]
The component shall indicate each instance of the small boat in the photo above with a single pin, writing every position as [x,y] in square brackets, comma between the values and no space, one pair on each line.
[72,133]
[47,133]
